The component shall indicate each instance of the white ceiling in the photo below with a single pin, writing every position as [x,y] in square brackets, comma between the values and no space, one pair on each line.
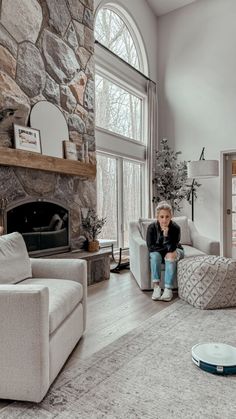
[160,7]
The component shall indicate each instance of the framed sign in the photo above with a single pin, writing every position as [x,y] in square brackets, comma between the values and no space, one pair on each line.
[26,138]
[70,150]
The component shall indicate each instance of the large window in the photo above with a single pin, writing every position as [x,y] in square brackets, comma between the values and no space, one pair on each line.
[121,114]
[117,109]
[119,197]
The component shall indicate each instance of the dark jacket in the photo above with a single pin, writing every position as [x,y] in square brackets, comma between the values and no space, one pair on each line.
[156,242]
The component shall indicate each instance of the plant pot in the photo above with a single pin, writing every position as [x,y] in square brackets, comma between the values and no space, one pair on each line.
[93,246]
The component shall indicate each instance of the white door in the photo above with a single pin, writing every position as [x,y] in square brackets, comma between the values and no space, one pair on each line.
[229,204]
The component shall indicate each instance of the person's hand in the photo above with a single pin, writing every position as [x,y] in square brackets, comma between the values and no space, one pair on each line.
[165,231]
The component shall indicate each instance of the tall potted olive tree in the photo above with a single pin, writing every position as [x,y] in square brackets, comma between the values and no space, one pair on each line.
[170,182]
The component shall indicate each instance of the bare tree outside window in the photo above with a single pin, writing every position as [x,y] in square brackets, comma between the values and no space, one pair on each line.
[117,110]
[107,187]
[107,195]
[132,195]
[112,32]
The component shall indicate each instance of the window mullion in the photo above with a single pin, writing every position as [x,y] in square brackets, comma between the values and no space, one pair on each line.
[120,203]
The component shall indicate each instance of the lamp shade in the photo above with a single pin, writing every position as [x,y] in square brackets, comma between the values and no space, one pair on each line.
[203,168]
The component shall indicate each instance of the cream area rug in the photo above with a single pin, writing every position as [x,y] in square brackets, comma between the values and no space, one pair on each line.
[146,374]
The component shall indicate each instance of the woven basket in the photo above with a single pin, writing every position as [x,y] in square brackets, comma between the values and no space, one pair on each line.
[93,246]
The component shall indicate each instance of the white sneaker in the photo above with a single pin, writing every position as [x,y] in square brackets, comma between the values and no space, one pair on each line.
[156,295]
[167,295]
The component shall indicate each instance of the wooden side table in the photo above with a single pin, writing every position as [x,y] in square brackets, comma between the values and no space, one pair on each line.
[98,263]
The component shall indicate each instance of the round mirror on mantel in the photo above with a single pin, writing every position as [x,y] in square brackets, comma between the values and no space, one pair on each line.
[50,121]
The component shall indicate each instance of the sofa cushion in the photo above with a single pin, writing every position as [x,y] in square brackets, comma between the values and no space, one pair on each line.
[181,221]
[190,251]
[14,259]
[64,295]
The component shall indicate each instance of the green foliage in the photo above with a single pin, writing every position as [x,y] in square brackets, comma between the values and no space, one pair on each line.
[92,224]
[170,181]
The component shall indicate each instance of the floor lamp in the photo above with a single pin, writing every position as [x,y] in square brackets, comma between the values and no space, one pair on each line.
[201,169]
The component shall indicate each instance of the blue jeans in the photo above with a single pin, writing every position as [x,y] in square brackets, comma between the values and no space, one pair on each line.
[156,260]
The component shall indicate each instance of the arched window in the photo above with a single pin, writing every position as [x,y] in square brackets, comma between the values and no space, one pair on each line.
[112,32]
[121,120]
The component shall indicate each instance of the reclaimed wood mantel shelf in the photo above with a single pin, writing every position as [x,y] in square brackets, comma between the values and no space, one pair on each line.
[20,158]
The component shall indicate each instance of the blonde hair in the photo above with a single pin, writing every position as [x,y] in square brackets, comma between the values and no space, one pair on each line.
[163,205]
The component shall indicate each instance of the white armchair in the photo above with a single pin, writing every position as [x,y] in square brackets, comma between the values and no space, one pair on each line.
[43,315]
[193,243]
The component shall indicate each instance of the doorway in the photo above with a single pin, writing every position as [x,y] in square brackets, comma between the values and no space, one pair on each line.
[228,207]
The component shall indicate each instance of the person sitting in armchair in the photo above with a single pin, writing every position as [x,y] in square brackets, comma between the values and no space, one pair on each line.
[163,242]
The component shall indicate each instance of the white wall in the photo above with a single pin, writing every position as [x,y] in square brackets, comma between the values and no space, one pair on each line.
[197,91]
[147,25]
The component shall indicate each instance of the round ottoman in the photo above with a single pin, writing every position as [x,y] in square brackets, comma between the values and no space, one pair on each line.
[207,282]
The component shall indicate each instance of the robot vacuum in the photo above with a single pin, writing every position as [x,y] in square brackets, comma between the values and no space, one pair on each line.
[216,358]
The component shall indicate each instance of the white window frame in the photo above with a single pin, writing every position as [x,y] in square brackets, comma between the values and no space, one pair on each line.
[110,67]
[132,91]
[119,187]
[134,32]
[116,70]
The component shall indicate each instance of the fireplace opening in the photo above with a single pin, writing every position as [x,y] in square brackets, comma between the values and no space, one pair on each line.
[44,226]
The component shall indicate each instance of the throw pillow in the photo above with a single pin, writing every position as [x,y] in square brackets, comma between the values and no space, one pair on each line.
[143,226]
[185,232]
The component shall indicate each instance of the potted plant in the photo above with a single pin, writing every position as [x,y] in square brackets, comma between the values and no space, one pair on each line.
[170,180]
[92,226]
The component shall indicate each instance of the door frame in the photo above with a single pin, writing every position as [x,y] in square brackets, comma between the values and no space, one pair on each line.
[223,201]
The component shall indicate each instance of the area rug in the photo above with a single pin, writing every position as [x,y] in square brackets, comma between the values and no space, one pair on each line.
[146,374]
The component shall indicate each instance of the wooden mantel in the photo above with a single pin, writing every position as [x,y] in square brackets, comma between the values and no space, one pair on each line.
[20,158]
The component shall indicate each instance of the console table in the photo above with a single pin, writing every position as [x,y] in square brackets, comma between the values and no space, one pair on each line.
[98,263]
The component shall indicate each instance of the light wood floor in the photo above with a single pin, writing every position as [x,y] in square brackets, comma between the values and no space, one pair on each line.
[115,307]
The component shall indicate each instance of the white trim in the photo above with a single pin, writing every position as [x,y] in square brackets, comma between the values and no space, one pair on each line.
[135,91]
[112,143]
[116,135]
[113,65]
[120,202]
[225,222]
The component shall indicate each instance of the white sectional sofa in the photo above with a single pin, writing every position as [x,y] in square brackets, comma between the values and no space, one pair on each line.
[43,316]
[193,242]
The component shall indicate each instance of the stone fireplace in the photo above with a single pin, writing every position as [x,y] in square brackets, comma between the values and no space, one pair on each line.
[47,53]
[25,185]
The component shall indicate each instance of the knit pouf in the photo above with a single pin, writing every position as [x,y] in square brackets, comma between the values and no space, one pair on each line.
[207,282]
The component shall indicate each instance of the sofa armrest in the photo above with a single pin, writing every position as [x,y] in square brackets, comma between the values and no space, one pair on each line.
[206,245]
[203,243]
[139,257]
[24,349]
[71,269]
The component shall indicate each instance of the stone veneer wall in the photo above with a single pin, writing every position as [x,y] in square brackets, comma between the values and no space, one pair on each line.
[47,53]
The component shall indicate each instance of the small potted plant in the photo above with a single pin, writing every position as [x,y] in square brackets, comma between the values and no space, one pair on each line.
[92,226]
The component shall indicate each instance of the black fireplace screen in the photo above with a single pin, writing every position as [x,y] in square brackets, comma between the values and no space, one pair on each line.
[43,225]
